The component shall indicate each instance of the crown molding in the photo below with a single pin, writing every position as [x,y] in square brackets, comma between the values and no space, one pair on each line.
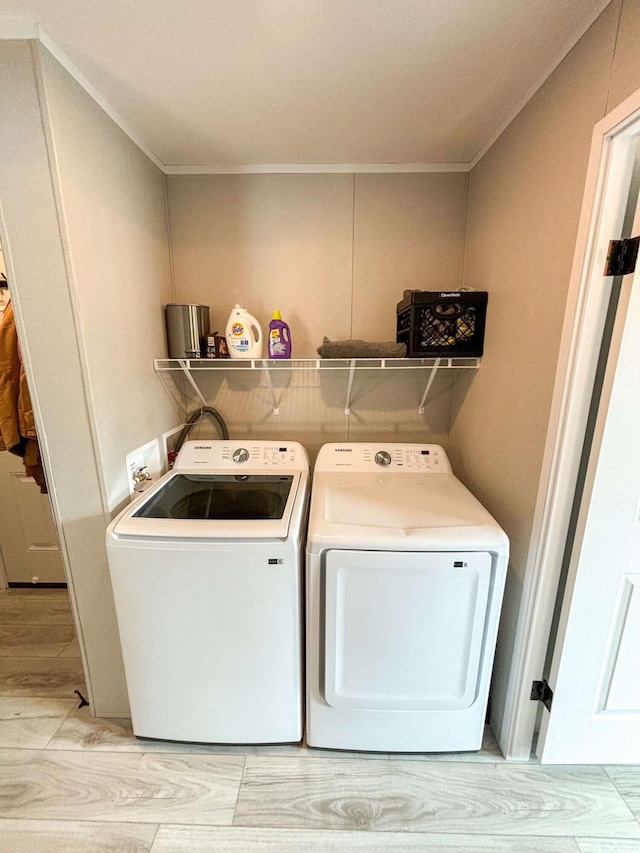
[317,168]
[23,29]
[540,80]
[15,29]
[50,45]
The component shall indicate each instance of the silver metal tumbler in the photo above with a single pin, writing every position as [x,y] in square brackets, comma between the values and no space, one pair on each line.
[187,330]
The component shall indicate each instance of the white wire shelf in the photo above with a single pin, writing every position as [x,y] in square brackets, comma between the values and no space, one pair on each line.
[190,367]
[164,364]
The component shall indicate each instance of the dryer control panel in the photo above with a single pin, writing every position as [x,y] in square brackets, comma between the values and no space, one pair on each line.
[356,456]
[242,455]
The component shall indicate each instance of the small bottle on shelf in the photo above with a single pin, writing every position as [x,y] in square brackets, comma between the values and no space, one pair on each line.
[279,337]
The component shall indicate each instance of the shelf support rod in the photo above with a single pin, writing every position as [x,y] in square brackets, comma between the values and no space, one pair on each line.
[352,370]
[432,376]
[267,374]
[184,364]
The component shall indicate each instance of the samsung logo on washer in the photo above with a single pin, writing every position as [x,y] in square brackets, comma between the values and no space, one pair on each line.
[202,447]
[347,461]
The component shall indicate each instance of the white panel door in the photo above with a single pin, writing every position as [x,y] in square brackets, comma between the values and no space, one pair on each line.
[28,538]
[595,675]
[404,630]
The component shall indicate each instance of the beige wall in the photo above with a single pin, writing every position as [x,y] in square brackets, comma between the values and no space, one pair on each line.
[114,206]
[525,198]
[625,69]
[266,241]
[334,254]
[86,234]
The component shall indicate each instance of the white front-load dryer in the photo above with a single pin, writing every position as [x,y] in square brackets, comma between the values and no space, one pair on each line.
[405,573]
[207,576]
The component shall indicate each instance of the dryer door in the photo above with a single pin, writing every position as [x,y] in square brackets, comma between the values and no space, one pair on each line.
[404,630]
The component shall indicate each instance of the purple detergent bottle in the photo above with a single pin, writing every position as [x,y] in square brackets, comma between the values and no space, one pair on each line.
[279,337]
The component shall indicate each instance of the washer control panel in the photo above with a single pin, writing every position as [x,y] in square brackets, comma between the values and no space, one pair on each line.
[237,455]
[362,457]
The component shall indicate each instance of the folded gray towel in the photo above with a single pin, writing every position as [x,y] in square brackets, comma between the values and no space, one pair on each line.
[361,349]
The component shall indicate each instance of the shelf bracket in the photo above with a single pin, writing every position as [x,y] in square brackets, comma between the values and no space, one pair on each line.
[352,370]
[432,376]
[267,374]
[184,364]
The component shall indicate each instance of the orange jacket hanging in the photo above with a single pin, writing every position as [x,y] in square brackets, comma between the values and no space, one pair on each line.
[17,426]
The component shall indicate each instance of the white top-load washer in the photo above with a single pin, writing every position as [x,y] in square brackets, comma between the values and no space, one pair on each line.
[405,576]
[206,569]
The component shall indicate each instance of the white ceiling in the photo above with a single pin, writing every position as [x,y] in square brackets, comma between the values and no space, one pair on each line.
[215,83]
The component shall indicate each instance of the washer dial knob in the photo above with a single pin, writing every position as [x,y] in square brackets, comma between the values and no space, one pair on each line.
[240,455]
[383,458]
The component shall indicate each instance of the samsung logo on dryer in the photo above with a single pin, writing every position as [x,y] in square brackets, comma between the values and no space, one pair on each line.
[343,449]
[202,447]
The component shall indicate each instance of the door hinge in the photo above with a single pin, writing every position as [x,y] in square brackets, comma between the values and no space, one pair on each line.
[541,692]
[621,256]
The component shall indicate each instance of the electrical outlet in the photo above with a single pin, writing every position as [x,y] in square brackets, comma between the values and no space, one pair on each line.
[145,459]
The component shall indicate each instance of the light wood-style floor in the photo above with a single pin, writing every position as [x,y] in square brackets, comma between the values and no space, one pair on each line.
[72,783]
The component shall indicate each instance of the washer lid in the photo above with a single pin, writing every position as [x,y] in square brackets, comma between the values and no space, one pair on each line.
[410,502]
[404,502]
[197,505]
[398,510]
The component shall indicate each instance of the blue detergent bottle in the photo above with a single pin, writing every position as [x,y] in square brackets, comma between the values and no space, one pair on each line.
[279,337]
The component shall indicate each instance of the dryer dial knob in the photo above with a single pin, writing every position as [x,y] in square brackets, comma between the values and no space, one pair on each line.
[383,458]
[240,455]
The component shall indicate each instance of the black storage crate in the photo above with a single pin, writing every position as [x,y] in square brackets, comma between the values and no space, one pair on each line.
[446,324]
